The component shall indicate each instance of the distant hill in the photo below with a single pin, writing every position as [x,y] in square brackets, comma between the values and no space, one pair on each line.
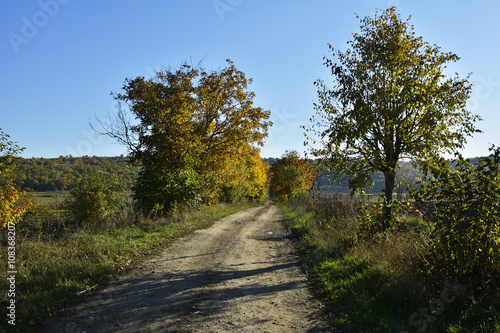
[406,172]
[66,173]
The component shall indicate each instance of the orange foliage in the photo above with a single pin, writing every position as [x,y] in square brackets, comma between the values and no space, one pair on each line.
[291,175]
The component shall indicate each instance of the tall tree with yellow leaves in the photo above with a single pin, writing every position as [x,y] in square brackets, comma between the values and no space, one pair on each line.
[192,128]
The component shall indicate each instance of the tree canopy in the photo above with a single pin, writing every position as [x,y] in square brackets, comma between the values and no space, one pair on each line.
[192,128]
[391,99]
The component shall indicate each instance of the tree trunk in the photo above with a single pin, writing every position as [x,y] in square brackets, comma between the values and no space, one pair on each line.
[390,177]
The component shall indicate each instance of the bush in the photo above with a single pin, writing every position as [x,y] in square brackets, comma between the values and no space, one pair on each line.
[405,217]
[94,201]
[465,242]
[41,221]
[159,190]
[377,281]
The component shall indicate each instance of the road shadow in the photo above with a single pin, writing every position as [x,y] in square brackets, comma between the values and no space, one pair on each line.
[135,303]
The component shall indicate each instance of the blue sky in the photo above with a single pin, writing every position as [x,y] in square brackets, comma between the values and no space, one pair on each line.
[60,59]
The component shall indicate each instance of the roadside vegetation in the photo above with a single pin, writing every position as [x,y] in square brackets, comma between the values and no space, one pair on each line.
[62,257]
[436,268]
[430,262]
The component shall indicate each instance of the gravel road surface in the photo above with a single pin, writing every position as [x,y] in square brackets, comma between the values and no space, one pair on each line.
[239,275]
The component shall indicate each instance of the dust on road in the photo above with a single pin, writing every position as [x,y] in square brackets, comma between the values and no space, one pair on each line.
[239,275]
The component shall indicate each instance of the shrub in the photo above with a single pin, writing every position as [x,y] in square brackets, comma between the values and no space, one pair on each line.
[94,201]
[41,221]
[405,217]
[466,238]
[159,191]
[12,202]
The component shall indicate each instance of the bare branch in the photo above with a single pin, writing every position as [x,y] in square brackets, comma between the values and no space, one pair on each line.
[118,128]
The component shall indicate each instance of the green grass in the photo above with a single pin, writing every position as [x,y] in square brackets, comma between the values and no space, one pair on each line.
[49,197]
[55,273]
[379,284]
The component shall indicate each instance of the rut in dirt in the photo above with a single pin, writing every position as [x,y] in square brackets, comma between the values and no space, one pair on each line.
[239,275]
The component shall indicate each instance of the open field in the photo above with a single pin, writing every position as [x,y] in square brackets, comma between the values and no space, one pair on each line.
[49,197]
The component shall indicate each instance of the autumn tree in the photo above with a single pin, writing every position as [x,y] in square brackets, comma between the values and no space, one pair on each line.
[250,181]
[290,175]
[12,203]
[390,100]
[191,128]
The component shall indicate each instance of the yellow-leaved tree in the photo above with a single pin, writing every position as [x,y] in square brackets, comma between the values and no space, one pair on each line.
[291,175]
[192,131]
[12,203]
[250,182]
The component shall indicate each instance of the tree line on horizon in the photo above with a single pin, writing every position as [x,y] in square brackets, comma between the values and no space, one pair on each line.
[65,173]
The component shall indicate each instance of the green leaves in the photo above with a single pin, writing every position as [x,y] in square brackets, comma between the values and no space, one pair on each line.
[95,200]
[390,100]
[9,152]
[12,204]
[467,210]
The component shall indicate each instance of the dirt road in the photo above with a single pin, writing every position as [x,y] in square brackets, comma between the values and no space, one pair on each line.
[240,275]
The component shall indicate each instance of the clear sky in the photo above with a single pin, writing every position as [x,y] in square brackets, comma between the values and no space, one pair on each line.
[60,59]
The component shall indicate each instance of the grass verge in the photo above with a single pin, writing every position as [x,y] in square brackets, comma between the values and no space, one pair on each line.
[52,274]
[379,284]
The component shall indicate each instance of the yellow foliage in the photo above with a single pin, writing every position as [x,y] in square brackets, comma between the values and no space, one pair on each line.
[291,175]
[254,175]
[12,203]
[248,176]
[195,132]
